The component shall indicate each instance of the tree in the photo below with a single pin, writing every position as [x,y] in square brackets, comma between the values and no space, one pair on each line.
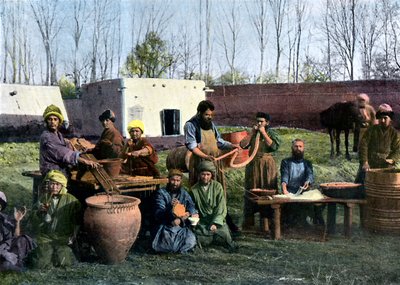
[230,40]
[342,20]
[46,15]
[279,9]
[237,78]
[368,31]
[260,22]
[150,59]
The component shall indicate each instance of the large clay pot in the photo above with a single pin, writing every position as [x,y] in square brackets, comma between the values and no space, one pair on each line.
[382,188]
[235,138]
[112,223]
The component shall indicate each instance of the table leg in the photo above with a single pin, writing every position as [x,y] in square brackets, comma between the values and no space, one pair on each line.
[348,218]
[362,214]
[277,221]
[331,219]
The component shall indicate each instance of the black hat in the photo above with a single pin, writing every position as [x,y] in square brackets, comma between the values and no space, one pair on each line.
[107,114]
[266,116]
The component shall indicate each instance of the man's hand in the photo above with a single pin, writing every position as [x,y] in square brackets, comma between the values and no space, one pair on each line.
[390,161]
[213,228]
[176,222]
[365,166]
[306,185]
[19,214]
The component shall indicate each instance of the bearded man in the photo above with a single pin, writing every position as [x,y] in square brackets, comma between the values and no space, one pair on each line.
[297,172]
[205,142]
[174,233]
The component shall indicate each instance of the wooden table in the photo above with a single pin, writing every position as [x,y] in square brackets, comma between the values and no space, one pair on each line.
[88,186]
[348,205]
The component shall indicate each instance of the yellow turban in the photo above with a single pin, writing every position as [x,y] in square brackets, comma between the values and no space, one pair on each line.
[174,172]
[53,110]
[136,124]
[57,176]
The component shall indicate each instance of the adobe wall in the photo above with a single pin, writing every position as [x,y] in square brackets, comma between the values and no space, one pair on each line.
[296,105]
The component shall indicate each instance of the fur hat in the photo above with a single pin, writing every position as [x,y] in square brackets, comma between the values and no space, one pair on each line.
[107,114]
[384,110]
[53,110]
[136,124]
[174,172]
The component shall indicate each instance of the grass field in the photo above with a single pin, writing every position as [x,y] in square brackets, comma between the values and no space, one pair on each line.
[300,258]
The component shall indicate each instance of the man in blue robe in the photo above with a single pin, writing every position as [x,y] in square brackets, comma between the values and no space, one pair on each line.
[174,233]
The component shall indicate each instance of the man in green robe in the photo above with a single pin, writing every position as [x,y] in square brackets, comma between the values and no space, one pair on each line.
[208,196]
[380,144]
[56,222]
[261,172]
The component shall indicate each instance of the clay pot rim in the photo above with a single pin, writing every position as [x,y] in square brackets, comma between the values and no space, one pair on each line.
[109,160]
[133,201]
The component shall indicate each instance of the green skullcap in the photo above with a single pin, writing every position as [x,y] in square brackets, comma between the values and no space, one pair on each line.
[206,165]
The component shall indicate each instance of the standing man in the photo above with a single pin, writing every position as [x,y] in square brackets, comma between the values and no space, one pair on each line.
[367,118]
[380,145]
[55,153]
[298,172]
[261,172]
[204,141]
[174,232]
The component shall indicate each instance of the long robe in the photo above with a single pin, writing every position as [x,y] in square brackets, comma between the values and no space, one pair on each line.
[55,154]
[261,172]
[211,205]
[13,249]
[142,165]
[377,145]
[54,234]
[110,144]
[171,238]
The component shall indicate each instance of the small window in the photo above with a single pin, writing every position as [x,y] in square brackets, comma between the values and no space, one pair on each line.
[171,122]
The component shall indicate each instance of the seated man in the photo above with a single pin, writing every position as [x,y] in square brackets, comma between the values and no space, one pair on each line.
[56,221]
[14,247]
[297,172]
[209,198]
[173,228]
[140,155]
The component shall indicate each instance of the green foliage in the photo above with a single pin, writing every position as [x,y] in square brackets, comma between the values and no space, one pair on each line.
[150,59]
[67,88]
[233,78]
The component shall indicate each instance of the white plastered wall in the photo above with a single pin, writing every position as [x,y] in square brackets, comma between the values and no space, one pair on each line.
[144,99]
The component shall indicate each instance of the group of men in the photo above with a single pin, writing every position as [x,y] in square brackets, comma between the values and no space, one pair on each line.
[182,219]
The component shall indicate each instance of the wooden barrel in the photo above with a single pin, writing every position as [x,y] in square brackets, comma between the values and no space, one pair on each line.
[179,158]
[383,200]
[235,138]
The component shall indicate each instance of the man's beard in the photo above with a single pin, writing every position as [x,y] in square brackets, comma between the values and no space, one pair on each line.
[205,124]
[298,154]
[171,188]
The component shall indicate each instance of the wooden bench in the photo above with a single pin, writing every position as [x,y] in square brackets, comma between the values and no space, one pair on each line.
[348,205]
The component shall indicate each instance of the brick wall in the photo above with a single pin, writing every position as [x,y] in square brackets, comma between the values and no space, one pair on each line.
[296,105]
